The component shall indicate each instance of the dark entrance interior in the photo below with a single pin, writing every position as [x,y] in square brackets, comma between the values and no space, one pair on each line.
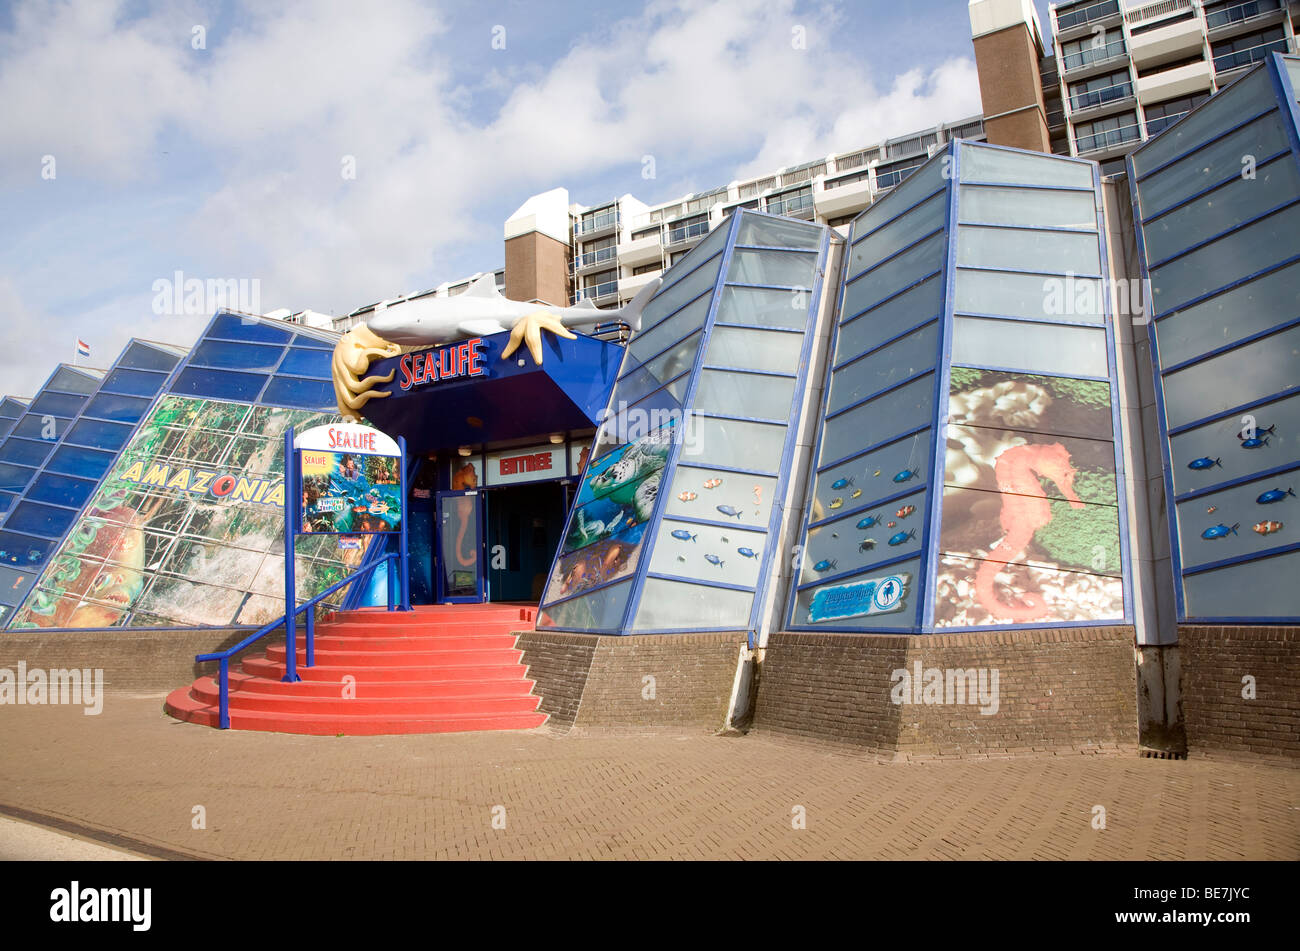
[525,524]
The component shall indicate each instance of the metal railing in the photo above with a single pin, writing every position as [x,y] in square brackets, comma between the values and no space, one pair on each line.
[595,257]
[595,223]
[890,179]
[595,292]
[1097,11]
[789,206]
[686,232]
[1097,141]
[1241,12]
[291,647]
[1160,123]
[1160,8]
[1099,97]
[1247,57]
[1093,54]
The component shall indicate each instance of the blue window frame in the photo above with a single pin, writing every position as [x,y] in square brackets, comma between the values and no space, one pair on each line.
[134,382]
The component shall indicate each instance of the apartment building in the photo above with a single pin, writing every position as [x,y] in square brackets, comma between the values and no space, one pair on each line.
[1114,74]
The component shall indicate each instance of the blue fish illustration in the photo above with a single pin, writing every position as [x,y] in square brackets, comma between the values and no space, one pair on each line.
[683,535]
[714,560]
[1274,495]
[1205,462]
[905,476]
[1220,531]
[1254,442]
[869,521]
[825,564]
[1259,432]
[747,552]
[902,537]
[841,483]
[868,544]
[729,510]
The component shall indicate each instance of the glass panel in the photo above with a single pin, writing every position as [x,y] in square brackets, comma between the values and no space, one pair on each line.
[688,288]
[669,364]
[143,357]
[1021,594]
[697,493]
[1034,347]
[649,342]
[122,409]
[708,553]
[864,538]
[1005,401]
[1020,168]
[1243,375]
[763,308]
[48,428]
[7,499]
[1056,251]
[57,404]
[23,550]
[599,611]
[858,482]
[1248,518]
[1215,448]
[14,478]
[733,442]
[134,382]
[61,490]
[1264,588]
[1250,308]
[904,408]
[70,381]
[236,356]
[907,268]
[1027,207]
[710,246]
[773,232]
[865,602]
[880,244]
[44,520]
[307,394]
[1224,208]
[87,463]
[313,363]
[911,191]
[1219,160]
[763,397]
[25,452]
[459,519]
[90,432]
[747,349]
[782,268]
[888,365]
[251,329]
[221,384]
[1249,94]
[909,309]
[1029,295]
[311,343]
[674,605]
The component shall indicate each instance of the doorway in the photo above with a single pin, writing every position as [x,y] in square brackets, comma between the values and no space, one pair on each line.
[525,524]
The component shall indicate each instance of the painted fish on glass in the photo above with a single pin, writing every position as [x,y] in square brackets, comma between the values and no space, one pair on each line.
[902,537]
[1258,432]
[729,510]
[681,557]
[841,483]
[905,511]
[747,552]
[1254,442]
[835,534]
[758,495]
[1267,528]
[1211,510]
[876,473]
[856,493]
[1274,495]
[682,534]
[825,564]
[869,521]
[891,524]
[713,560]
[724,539]
[868,544]
[688,496]
[712,483]
[1220,531]
[1205,462]
[836,502]
[907,475]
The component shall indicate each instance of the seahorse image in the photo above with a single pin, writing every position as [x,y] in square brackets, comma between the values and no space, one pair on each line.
[353,355]
[466,477]
[1025,509]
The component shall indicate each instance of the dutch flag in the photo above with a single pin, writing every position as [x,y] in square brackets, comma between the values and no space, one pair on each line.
[83,348]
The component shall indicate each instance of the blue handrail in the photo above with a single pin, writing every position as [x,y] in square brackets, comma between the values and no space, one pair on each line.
[225,655]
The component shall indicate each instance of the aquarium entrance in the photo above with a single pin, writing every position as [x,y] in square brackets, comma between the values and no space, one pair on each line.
[525,524]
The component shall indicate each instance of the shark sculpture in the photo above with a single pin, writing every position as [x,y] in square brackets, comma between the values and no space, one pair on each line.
[479,311]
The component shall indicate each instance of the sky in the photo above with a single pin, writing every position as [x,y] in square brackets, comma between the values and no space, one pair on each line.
[330,154]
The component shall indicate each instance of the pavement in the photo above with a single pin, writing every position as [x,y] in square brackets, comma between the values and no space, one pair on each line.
[134,779]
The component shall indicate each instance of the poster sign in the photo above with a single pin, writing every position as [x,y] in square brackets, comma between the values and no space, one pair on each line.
[528,464]
[874,596]
[351,480]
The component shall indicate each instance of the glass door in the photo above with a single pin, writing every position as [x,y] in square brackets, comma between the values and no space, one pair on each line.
[460,547]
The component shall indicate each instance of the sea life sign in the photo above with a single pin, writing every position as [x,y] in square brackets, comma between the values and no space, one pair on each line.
[884,595]
[351,480]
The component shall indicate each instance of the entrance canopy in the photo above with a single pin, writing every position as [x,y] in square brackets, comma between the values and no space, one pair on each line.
[464,393]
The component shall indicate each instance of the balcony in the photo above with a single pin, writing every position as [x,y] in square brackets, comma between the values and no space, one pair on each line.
[1093,56]
[1108,141]
[679,235]
[1179,40]
[1247,57]
[596,225]
[795,206]
[1255,13]
[1100,100]
[835,201]
[598,294]
[628,286]
[1082,20]
[585,262]
[1173,83]
[641,251]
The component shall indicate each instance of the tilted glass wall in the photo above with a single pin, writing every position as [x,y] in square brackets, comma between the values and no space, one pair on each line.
[1217,198]
[671,526]
[10,409]
[185,527]
[972,306]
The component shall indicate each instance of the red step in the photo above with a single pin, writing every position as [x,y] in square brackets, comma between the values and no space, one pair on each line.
[438,669]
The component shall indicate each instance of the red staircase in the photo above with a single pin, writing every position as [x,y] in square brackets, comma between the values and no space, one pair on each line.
[438,669]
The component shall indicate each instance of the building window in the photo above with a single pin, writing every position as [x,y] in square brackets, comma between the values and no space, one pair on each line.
[1106,133]
[847,180]
[1085,13]
[1099,90]
[647,269]
[887,176]
[1085,52]
[791,202]
[1161,115]
[1234,11]
[645,233]
[688,228]
[1245,50]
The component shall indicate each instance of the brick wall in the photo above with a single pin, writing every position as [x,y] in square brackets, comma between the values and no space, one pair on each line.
[1068,688]
[1218,719]
[587,680]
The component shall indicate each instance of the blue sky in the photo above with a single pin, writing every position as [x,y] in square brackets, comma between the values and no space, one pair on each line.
[212,138]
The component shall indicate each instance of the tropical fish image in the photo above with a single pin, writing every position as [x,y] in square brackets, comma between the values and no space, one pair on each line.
[876,473]
[1267,528]
[1211,510]
[836,502]
[724,539]
[856,493]
[1205,462]
[643,500]
[1274,495]
[906,475]
[729,511]
[758,495]
[835,534]
[681,557]
[683,535]
[868,544]
[714,560]
[891,525]
[1254,442]
[1219,531]
[826,564]
[712,483]
[902,537]
[687,496]
[747,552]
[869,522]
[842,483]
[905,511]
[1258,432]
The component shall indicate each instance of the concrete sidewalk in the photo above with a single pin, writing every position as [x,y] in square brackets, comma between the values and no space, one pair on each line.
[137,776]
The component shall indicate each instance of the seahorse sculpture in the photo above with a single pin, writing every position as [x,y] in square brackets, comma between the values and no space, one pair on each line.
[1025,509]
